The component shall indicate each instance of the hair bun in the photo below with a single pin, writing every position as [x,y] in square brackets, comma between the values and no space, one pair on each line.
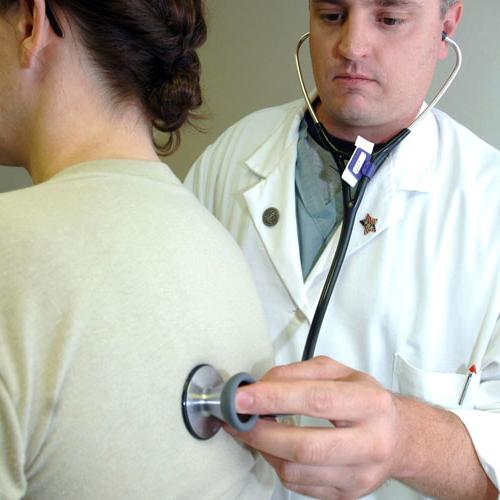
[146,50]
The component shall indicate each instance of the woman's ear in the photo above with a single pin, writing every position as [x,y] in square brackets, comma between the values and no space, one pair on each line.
[33,29]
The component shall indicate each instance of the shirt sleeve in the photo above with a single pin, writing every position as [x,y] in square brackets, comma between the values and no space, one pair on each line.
[12,478]
[13,400]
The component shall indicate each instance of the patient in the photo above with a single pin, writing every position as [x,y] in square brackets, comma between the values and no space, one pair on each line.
[114,282]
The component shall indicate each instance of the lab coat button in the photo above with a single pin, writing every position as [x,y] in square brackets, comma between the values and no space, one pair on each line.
[271,216]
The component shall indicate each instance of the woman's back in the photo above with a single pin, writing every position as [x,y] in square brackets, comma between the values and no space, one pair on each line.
[115,284]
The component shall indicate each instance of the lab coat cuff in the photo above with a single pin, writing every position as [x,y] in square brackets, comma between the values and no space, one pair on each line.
[483,429]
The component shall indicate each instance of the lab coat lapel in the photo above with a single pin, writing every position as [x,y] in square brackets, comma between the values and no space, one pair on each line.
[274,163]
[406,173]
[381,202]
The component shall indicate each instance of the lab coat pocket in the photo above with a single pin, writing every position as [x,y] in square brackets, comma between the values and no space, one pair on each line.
[437,388]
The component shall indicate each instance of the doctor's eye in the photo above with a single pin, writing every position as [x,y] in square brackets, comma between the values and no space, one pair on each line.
[391,21]
[333,17]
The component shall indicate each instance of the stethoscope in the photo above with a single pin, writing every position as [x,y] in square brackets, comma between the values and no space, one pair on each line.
[208,401]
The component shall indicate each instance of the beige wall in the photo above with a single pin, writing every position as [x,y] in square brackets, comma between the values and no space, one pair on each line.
[248,64]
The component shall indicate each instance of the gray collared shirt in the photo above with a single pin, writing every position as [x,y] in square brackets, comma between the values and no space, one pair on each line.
[318,193]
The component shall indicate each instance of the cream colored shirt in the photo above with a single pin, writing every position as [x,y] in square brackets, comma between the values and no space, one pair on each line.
[114,284]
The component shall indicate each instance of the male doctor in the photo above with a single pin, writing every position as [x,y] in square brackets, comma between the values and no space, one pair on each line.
[407,386]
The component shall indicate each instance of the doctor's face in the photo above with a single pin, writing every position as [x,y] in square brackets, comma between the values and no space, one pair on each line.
[373,62]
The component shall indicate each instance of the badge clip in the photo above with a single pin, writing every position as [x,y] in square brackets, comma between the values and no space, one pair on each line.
[360,163]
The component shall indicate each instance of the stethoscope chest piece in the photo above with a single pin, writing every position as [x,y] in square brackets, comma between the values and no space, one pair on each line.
[208,402]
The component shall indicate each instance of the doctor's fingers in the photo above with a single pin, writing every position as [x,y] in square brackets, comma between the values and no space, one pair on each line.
[331,400]
[319,368]
[320,493]
[317,446]
[342,482]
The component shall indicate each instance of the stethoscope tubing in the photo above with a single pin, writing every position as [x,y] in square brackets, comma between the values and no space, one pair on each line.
[333,274]
[352,204]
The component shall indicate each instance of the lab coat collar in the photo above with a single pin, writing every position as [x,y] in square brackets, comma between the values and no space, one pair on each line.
[413,163]
[270,154]
[416,165]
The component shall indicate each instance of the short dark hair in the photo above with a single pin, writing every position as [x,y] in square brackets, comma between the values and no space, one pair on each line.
[145,49]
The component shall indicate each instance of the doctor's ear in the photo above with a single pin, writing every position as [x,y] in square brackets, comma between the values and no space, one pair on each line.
[32,30]
[450,23]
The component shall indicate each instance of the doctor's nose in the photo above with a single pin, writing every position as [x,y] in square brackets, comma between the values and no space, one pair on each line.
[354,39]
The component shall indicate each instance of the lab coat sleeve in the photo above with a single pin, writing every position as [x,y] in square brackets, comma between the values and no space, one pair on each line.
[483,422]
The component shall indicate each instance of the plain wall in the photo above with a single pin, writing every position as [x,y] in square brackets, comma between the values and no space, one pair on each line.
[248,64]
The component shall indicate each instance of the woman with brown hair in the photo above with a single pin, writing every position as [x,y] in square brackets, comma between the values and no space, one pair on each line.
[114,282]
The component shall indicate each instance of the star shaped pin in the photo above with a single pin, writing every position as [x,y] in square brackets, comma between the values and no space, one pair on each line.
[369,223]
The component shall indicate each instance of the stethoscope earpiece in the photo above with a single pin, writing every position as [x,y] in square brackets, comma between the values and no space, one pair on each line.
[208,402]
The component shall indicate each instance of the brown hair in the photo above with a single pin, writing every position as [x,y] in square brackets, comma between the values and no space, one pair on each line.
[145,49]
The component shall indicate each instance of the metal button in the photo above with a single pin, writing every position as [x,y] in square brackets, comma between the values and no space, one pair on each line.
[271,216]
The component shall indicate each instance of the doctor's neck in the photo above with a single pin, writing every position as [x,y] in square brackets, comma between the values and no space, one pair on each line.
[348,126]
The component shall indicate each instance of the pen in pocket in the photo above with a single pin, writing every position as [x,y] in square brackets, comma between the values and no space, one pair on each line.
[471,371]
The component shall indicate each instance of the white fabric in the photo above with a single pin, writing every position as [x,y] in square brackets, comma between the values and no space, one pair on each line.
[114,284]
[418,301]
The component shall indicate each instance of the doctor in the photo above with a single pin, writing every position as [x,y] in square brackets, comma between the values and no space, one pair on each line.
[418,300]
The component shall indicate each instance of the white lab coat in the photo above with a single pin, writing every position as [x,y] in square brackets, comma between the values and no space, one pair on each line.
[418,301]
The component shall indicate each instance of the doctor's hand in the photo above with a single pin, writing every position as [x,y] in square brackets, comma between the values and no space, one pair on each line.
[375,435]
[346,462]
